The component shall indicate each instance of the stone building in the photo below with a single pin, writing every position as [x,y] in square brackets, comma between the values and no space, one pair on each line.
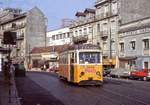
[134,44]
[31,32]
[83,26]
[104,25]
[107,16]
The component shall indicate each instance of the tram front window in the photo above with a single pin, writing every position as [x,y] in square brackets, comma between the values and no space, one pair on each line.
[89,57]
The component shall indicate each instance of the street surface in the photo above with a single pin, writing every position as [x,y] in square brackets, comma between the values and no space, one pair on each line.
[46,89]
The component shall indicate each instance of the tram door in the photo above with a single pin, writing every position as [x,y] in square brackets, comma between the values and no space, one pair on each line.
[72,66]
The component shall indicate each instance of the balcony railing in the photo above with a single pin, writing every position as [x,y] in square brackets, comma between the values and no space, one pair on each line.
[104,34]
[80,39]
[15,27]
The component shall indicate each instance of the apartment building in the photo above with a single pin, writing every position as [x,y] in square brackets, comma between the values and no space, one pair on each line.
[134,44]
[103,24]
[83,27]
[59,37]
[107,17]
[30,29]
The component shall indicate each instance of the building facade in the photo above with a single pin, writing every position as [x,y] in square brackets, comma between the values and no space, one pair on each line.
[104,22]
[83,27]
[30,29]
[107,17]
[134,44]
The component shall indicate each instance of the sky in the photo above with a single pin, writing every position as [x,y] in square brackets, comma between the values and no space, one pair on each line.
[54,10]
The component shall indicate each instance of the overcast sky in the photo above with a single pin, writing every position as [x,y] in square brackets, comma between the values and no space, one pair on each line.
[55,10]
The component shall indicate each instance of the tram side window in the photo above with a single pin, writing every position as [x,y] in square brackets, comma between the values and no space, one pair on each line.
[63,59]
[72,58]
[89,57]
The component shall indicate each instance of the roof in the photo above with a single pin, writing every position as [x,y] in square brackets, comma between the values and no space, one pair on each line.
[47,49]
[89,10]
[16,18]
[80,14]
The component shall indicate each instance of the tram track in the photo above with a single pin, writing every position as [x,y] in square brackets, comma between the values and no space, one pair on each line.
[108,93]
[140,84]
[114,92]
[114,97]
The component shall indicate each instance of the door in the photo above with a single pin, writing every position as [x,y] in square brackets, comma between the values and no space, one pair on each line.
[72,67]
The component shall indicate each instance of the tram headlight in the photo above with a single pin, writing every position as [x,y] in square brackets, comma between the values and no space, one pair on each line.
[81,74]
[98,73]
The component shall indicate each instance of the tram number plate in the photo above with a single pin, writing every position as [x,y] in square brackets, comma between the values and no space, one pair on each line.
[90,70]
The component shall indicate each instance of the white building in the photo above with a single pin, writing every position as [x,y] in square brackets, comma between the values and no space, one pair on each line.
[59,37]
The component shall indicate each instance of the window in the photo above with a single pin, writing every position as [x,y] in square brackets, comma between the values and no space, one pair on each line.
[146,44]
[68,34]
[53,37]
[76,33]
[57,36]
[98,27]
[85,31]
[60,36]
[89,57]
[121,47]
[114,8]
[90,30]
[80,32]
[132,45]
[64,35]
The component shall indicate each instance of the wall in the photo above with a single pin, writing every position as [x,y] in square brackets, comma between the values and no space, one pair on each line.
[131,10]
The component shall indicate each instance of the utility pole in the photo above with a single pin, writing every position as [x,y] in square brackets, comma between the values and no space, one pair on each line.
[110,41]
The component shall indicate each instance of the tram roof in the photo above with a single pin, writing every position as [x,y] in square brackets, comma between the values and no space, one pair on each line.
[83,46]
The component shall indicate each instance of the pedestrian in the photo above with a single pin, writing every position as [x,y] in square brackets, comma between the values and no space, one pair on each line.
[44,67]
[6,73]
[12,69]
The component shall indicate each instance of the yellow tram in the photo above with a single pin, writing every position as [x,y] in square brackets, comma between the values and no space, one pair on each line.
[81,64]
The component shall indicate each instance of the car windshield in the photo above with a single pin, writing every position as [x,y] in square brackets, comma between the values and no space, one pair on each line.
[89,57]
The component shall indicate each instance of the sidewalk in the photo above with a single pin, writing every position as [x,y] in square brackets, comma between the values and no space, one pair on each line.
[8,93]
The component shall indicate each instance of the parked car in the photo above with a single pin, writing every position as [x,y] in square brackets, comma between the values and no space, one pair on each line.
[20,70]
[120,72]
[143,74]
[106,72]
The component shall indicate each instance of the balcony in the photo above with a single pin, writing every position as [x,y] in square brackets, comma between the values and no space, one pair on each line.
[104,34]
[80,39]
[15,27]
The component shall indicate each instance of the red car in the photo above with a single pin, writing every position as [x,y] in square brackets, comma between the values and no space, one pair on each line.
[141,74]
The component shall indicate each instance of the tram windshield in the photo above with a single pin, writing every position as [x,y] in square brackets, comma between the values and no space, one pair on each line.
[89,57]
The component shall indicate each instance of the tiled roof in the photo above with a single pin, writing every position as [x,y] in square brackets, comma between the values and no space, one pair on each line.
[89,10]
[14,19]
[57,48]
[80,14]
